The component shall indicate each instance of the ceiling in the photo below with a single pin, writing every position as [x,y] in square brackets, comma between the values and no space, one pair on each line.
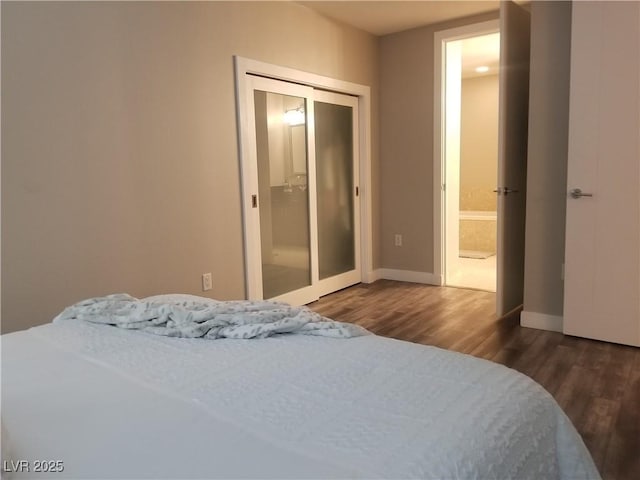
[390,16]
[480,51]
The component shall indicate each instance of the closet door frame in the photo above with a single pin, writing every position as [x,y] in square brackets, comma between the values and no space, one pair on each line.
[245,67]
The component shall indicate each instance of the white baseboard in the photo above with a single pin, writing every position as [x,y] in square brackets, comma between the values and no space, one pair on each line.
[407,276]
[541,321]
[371,276]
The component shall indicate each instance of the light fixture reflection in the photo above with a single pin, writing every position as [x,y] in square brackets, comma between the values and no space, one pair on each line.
[482,69]
[294,117]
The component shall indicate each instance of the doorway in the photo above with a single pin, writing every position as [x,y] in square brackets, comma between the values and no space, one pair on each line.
[514,26]
[469,156]
[303,187]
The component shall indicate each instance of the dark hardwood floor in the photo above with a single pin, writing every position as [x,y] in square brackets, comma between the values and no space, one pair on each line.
[596,383]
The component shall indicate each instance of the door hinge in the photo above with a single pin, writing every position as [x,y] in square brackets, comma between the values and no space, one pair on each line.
[254,201]
[357,191]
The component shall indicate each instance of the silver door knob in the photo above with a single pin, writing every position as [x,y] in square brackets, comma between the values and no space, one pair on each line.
[505,190]
[578,193]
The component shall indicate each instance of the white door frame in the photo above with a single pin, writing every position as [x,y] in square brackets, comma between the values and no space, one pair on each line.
[245,66]
[439,157]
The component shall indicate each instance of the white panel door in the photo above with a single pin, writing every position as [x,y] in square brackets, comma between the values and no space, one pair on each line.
[512,154]
[602,264]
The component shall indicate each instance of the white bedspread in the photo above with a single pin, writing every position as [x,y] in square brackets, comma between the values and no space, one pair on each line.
[113,403]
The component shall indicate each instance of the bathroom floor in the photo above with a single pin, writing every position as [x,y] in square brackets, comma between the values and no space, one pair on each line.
[476,273]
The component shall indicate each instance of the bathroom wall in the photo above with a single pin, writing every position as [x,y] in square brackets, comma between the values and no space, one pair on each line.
[479,143]
[478,162]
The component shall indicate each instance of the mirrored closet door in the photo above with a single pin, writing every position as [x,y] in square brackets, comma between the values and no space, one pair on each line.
[300,193]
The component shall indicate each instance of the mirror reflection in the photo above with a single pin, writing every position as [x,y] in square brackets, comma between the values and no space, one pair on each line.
[282,180]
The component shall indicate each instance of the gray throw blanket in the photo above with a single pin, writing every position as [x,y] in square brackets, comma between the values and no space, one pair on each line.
[206,318]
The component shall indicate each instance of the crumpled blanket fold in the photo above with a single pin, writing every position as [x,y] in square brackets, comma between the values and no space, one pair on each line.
[205,318]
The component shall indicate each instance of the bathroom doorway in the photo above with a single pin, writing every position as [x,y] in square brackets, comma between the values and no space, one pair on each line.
[514,26]
[471,100]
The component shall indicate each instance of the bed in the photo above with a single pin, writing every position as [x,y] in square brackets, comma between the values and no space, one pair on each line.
[88,400]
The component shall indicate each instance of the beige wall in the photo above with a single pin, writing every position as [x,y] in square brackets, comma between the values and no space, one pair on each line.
[119,148]
[406,145]
[479,143]
[547,157]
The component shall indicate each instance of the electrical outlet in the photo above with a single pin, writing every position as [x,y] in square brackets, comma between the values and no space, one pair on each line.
[207,282]
[398,240]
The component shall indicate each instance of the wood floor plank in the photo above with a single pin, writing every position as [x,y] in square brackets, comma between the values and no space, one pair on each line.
[623,453]
[596,383]
[573,395]
[556,367]
[597,425]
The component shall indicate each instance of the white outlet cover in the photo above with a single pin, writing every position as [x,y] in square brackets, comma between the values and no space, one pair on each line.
[207,283]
